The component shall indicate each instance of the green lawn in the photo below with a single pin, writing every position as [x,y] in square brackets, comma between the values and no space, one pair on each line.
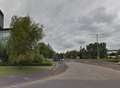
[14,70]
[114,60]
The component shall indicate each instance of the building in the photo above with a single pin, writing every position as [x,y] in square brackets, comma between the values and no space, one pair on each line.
[4,32]
[1,20]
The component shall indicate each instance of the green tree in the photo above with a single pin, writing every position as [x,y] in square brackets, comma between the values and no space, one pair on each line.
[45,50]
[71,54]
[83,54]
[92,50]
[23,39]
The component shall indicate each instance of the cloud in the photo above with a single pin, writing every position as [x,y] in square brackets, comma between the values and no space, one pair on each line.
[70,22]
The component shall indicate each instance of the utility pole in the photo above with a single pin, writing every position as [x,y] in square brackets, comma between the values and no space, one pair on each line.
[81,44]
[98,36]
[97,41]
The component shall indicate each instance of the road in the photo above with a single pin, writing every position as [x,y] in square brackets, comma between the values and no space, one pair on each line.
[79,75]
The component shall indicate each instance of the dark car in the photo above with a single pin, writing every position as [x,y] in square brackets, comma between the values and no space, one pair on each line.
[57,58]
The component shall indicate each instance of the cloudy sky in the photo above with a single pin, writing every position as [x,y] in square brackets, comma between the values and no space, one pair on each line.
[70,23]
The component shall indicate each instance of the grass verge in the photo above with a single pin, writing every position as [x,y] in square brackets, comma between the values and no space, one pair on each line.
[111,60]
[25,70]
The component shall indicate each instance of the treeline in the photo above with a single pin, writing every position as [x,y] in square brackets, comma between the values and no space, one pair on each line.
[90,52]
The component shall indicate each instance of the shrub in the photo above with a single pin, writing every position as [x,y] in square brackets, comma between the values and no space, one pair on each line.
[46,62]
[3,52]
[41,60]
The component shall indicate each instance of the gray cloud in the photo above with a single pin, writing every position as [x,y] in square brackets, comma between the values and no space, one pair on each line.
[70,22]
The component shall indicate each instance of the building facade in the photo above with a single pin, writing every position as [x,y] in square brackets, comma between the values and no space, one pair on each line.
[4,32]
[1,20]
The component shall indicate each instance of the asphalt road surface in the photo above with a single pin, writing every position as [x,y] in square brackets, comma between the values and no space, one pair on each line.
[79,75]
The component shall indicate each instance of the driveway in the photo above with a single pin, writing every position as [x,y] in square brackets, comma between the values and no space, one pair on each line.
[78,75]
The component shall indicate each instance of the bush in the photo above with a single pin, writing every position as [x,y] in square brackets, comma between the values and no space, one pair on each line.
[46,62]
[3,52]
[41,60]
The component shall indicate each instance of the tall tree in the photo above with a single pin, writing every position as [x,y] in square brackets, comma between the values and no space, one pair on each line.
[23,39]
